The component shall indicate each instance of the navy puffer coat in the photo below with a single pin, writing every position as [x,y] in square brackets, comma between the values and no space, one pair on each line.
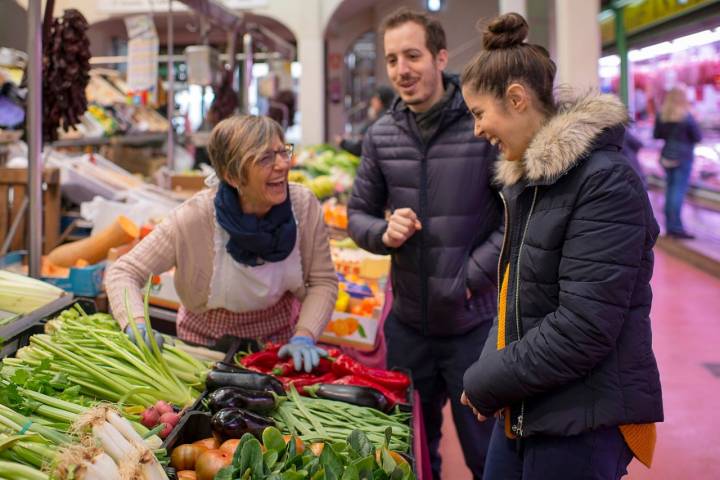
[447,183]
[578,245]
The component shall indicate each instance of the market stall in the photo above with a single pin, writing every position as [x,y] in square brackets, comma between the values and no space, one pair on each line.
[79,399]
[77,384]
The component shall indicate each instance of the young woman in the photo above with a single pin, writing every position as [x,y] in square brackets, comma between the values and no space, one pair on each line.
[568,365]
[243,251]
[680,131]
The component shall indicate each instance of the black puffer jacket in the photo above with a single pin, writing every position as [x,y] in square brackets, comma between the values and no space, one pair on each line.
[580,234]
[447,183]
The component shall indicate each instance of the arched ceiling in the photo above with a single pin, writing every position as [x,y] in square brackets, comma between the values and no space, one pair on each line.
[187,28]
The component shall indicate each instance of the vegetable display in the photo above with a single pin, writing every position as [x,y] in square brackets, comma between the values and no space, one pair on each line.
[317,419]
[337,369]
[20,294]
[273,456]
[83,402]
[91,352]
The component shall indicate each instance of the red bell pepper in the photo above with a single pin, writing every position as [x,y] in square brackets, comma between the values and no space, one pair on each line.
[344,365]
[264,360]
[272,346]
[333,352]
[392,397]
[325,366]
[306,379]
[285,369]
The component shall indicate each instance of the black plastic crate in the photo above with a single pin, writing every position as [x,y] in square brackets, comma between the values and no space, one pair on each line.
[17,334]
[196,426]
[193,426]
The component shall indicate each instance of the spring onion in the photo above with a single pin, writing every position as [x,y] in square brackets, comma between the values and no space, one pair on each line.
[20,294]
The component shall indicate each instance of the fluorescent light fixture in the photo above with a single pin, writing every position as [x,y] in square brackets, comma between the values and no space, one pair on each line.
[610,61]
[707,152]
[626,3]
[434,5]
[698,39]
[260,69]
[605,15]
[295,69]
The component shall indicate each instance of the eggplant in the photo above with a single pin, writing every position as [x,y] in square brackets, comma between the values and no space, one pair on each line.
[354,394]
[236,397]
[228,367]
[235,422]
[246,379]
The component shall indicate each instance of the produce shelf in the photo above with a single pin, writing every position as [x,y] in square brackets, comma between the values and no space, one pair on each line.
[16,334]
[131,139]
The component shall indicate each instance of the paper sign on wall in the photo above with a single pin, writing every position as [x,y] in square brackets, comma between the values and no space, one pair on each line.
[143,50]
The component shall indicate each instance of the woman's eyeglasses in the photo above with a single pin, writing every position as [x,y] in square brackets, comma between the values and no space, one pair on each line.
[268,158]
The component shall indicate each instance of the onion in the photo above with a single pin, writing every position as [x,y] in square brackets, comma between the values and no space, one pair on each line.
[166,431]
[170,417]
[150,417]
[184,456]
[210,462]
[210,443]
[230,446]
[317,448]
[163,407]
[299,445]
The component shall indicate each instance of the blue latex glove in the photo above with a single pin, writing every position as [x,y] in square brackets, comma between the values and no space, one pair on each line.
[143,332]
[303,351]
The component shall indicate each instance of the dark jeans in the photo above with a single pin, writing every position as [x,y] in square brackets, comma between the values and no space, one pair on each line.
[677,180]
[437,365]
[596,455]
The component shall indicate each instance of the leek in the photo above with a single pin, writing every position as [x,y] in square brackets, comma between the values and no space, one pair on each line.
[20,472]
[20,294]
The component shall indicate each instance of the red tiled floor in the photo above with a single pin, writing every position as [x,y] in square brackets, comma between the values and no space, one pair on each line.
[686,334]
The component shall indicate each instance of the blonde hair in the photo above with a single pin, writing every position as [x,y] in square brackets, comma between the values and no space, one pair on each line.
[236,142]
[675,107]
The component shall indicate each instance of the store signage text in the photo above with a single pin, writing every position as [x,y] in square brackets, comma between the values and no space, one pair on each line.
[639,16]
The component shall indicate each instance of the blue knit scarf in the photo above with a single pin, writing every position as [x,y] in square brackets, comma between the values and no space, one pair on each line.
[254,240]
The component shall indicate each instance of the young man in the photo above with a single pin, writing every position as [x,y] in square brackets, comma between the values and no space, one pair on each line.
[422,162]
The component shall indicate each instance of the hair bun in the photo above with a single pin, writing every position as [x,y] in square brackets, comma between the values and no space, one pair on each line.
[506,31]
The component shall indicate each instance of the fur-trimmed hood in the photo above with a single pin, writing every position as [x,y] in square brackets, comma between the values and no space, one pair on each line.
[565,139]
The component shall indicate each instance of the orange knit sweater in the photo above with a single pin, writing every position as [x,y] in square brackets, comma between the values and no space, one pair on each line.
[639,437]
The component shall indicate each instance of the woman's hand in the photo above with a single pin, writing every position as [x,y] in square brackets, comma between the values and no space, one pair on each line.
[303,351]
[465,401]
[142,329]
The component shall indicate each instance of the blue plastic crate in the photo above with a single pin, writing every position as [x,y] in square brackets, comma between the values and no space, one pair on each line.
[82,281]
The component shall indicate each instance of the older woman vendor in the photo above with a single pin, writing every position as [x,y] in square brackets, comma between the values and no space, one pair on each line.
[244,251]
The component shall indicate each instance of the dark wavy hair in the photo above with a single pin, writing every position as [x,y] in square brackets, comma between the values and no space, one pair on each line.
[434,32]
[506,58]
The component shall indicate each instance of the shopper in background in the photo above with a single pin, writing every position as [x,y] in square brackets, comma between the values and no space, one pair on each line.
[243,251]
[569,364]
[379,104]
[282,108]
[422,162]
[631,147]
[678,128]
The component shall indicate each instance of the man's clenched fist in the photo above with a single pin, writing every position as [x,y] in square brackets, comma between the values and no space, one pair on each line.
[403,223]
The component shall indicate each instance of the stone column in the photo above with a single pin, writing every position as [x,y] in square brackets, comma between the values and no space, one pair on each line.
[517,6]
[311,55]
[577,42]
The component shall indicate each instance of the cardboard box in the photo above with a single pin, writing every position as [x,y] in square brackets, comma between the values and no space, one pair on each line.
[163,293]
[362,338]
[141,160]
[185,181]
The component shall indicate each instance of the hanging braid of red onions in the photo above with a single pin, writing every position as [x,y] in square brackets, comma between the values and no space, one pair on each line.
[66,68]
